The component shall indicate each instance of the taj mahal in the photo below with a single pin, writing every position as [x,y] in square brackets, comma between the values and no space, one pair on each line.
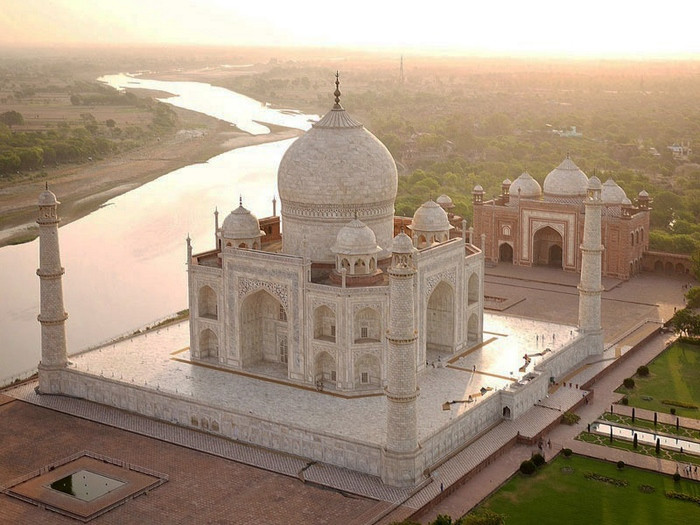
[332,331]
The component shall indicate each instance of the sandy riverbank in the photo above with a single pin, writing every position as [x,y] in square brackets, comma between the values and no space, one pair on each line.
[84,188]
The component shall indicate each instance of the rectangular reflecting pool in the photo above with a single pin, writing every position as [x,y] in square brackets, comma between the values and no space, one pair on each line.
[86,485]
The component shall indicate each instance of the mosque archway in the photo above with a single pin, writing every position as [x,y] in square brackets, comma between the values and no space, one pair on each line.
[208,344]
[440,319]
[547,247]
[505,253]
[260,328]
[659,266]
[206,303]
[506,412]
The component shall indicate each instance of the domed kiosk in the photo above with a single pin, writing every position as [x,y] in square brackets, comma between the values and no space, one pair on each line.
[334,172]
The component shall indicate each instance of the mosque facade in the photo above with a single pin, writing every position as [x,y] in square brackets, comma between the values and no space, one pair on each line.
[527,226]
[332,302]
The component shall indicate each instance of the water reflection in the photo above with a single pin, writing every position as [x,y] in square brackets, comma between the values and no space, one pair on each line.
[125,263]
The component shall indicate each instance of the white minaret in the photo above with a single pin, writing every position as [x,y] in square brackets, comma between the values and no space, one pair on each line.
[401,466]
[590,287]
[53,315]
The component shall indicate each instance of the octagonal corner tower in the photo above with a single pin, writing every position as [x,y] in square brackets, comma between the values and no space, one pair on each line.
[335,172]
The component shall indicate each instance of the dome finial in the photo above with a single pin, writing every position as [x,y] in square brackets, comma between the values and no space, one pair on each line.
[567,155]
[337,91]
[240,200]
[47,185]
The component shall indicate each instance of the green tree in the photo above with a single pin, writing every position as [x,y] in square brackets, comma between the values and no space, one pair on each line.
[12,118]
[110,123]
[692,297]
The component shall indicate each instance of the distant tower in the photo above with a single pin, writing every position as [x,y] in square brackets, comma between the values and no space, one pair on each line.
[401,77]
[590,287]
[53,315]
[401,463]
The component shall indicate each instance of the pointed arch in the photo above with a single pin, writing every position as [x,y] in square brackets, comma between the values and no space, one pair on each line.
[367,371]
[473,289]
[505,252]
[440,318]
[208,344]
[325,369]
[473,329]
[260,328]
[206,303]
[547,245]
[367,326]
[324,324]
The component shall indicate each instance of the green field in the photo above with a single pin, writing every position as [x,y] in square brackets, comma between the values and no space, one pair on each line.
[673,375]
[560,494]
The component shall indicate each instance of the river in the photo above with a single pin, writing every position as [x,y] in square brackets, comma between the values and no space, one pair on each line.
[126,262]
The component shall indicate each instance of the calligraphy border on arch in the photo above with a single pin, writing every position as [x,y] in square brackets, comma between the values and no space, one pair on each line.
[247,285]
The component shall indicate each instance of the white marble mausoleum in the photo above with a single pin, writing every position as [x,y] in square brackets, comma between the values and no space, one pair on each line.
[327,332]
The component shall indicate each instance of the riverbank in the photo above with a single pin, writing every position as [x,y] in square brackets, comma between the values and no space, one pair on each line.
[84,188]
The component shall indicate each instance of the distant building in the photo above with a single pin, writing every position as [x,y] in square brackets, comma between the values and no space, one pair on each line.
[528,227]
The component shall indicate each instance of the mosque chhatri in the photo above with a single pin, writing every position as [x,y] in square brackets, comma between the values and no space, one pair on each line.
[330,333]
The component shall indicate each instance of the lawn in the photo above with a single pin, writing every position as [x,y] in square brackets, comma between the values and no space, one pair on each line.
[673,375]
[559,493]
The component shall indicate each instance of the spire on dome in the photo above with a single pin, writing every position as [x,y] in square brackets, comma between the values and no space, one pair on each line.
[240,200]
[337,91]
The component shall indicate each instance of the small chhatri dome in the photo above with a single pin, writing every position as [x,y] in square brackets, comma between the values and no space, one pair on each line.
[643,193]
[525,186]
[402,244]
[47,197]
[626,202]
[356,238]
[594,183]
[445,201]
[430,217]
[612,193]
[478,189]
[241,224]
[566,180]
[506,182]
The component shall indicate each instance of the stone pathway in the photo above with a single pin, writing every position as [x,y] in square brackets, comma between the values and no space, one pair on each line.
[463,498]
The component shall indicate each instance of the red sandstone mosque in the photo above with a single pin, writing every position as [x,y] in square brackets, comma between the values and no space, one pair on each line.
[528,226]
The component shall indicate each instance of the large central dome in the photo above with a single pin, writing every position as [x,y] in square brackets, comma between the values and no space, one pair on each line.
[336,171]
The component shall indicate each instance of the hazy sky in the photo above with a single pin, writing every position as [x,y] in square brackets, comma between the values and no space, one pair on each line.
[505,27]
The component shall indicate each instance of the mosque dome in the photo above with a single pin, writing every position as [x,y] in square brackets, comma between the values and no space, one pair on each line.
[445,201]
[240,224]
[566,180]
[335,171]
[594,183]
[430,217]
[47,198]
[525,186]
[356,238]
[402,244]
[612,193]
[626,202]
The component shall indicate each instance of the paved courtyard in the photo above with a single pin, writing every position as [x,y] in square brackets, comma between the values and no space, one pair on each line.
[159,360]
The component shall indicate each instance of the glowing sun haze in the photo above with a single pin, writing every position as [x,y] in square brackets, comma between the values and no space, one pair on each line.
[619,28]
